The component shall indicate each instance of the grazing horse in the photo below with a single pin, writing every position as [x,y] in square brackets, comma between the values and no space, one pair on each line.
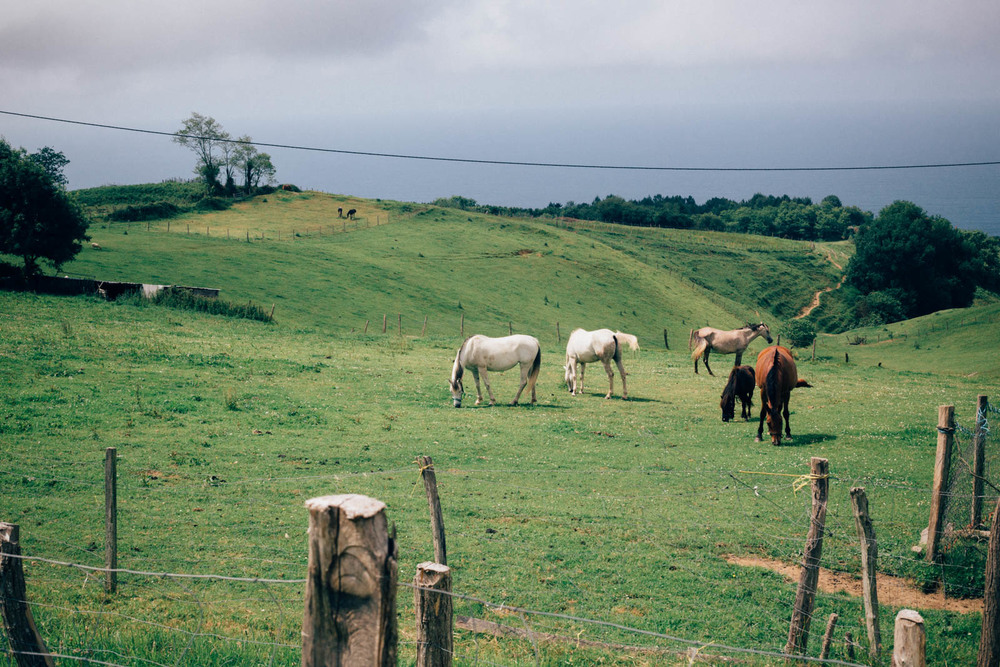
[776,377]
[706,339]
[740,385]
[350,214]
[584,347]
[481,354]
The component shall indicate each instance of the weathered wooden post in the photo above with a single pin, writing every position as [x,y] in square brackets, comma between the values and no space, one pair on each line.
[461,326]
[979,460]
[25,642]
[909,640]
[989,636]
[434,504]
[424,329]
[111,519]
[510,328]
[831,624]
[942,461]
[805,595]
[666,343]
[869,563]
[435,641]
[814,349]
[400,323]
[350,599]
[384,320]
[558,335]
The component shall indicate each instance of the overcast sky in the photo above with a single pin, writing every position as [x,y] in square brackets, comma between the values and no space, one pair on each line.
[694,84]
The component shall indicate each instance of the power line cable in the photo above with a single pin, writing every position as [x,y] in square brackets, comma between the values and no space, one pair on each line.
[514,163]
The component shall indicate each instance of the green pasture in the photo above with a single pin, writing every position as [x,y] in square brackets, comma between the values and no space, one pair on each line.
[613,511]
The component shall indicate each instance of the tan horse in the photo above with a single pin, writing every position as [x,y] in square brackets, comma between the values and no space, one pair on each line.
[584,347]
[776,376]
[707,339]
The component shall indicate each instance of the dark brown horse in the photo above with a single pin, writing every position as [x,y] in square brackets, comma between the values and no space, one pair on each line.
[739,385]
[776,377]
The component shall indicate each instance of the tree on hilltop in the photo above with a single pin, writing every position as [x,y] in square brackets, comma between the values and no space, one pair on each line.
[38,218]
[255,167]
[205,136]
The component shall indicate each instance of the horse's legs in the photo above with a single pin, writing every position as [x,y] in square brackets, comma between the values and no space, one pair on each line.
[788,426]
[763,413]
[611,377]
[524,382]
[479,392]
[486,380]
[621,369]
[707,350]
[579,385]
[739,357]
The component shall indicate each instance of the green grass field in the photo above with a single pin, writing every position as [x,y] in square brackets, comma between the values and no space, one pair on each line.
[615,511]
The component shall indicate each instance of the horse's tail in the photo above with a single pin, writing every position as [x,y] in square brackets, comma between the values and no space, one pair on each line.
[802,383]
[458,369]
[536,364]
[773,381]
[690,340]
[617,356]
[700,347]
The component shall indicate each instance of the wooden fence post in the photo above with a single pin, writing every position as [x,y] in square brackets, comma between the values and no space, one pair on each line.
[989,637]
[869,563]
[909,640]
[831,624]
[384,319]
[979,460]
[435,641]
[461,326]
[424,329]
[25,642]
[942,461]
[510,328]
[434,503]
[666,343]
[111,519]
[558,335]
[350,599]
[400,323]
[814,349]
[805,595]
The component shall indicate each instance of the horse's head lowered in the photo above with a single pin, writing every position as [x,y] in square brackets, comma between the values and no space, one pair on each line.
[761,330]
[457,391]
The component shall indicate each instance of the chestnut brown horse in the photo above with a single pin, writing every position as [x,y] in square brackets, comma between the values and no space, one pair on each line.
[776,377]
[739,385]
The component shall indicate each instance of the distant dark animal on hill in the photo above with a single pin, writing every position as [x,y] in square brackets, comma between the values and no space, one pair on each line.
[706,339]
[350,214]
[340,213]
[740,385]
[776,376]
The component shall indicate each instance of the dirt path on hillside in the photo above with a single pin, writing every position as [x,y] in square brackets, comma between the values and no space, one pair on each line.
[815,300]
[892,591]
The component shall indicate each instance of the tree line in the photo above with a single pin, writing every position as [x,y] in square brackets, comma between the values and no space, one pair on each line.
[787,217]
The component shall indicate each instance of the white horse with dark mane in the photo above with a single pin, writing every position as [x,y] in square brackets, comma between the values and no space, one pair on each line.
[481,354]
[707,339]
[584,347]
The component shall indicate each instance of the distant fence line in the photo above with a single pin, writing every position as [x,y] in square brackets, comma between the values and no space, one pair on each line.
[246,234]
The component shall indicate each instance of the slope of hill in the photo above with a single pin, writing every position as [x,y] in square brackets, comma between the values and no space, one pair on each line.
[410,261]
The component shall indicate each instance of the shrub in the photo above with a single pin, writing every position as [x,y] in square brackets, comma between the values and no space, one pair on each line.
[213,204]
[137,213]
[799,333]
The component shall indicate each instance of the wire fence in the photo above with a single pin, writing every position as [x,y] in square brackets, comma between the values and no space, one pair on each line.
[627,569]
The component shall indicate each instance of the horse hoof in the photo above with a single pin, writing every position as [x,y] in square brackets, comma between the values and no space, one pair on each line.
[757,439]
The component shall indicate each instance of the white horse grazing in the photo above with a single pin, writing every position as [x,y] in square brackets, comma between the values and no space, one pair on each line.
[584,347]
[481,354]
[706,339]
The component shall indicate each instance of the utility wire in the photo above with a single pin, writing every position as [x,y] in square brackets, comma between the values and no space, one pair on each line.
[514,163]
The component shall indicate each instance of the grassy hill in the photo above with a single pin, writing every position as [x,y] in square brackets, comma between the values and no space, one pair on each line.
[321,271]
[621,512]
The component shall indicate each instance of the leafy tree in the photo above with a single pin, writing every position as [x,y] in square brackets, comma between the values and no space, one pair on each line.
[205,136]
[255,167]
[38,218]
[921,261]
[799,333]
[53,162]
